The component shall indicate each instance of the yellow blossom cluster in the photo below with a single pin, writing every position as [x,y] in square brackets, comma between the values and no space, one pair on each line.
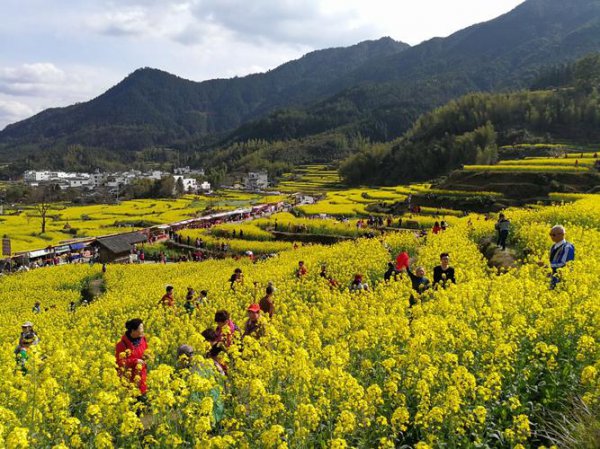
[477,363]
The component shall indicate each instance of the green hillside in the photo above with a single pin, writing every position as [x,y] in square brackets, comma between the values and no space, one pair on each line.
[470,130]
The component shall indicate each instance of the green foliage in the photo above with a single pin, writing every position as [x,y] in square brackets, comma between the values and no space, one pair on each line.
[469,130]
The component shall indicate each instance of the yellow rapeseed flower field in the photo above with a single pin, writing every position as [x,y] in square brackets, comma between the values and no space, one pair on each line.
[483,363]
[67,222]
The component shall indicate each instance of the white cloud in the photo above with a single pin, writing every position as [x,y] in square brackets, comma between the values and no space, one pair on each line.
[94,45]
[30,79]
[11,111]
[30,88]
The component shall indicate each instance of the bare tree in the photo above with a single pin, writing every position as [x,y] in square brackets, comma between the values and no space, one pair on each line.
[42,199]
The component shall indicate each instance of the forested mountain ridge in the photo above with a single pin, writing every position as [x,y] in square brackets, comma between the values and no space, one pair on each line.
[321,107]
[469,130]
[151,107]
[384,97]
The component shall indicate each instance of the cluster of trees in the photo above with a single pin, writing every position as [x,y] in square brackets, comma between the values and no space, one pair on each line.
[470,129]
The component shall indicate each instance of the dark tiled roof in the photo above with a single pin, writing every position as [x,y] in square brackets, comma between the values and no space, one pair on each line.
[121,243]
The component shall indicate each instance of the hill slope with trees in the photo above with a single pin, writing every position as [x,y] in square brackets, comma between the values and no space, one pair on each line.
[320,108]
[470,130]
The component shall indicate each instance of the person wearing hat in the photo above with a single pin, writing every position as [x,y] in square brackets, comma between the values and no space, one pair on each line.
[28,336]
[27,339]
[254,326]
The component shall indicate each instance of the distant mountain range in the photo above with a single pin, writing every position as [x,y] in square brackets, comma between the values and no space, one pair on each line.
[375,89]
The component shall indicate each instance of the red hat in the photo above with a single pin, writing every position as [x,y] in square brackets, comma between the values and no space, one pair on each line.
[253,308]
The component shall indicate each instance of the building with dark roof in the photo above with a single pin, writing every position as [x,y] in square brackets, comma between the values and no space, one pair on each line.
[117,248]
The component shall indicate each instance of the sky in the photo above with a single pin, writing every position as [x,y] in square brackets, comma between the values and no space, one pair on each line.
[56,53]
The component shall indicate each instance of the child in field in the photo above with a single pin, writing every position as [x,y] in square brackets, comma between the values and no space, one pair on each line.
[189,304]
[266,303]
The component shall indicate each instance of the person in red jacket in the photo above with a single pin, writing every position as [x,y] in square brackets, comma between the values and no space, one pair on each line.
[129,353]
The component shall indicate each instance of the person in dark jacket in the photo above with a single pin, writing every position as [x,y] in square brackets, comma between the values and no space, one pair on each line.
[418,281]
[236,278]
[391,271]
[443,272]
[503,227]
[130,354]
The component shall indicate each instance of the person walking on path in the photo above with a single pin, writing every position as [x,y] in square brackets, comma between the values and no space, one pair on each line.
[503,227]
[129,353]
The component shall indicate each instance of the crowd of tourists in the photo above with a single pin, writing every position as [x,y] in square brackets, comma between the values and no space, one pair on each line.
[130,351]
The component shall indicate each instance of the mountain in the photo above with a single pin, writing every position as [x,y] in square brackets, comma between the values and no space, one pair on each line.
[384,97]
[153,107]
[470,129]
[374,90]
